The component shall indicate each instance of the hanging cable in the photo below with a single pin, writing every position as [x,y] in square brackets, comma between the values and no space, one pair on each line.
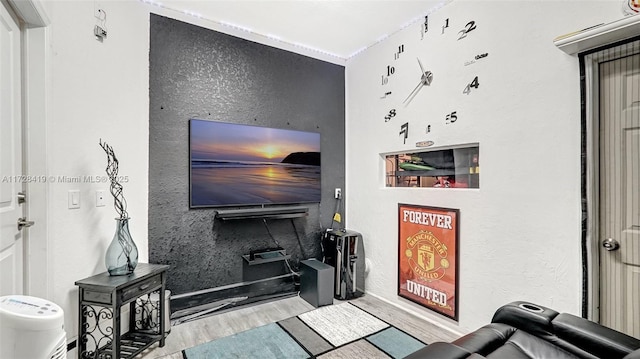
[286,261]
[295,229]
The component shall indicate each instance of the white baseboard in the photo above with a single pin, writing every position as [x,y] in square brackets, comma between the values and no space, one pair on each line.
[446,326]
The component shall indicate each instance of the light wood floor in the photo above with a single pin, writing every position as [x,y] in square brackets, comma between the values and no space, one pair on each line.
[224,324]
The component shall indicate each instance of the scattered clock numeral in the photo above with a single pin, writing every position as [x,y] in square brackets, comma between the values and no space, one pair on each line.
[471,25]
[428,129]
[404,130]
[425,27]
[475,84]
[446,25]
[392,114]
[452,117]
[400,50]
[424,144]
[390,71]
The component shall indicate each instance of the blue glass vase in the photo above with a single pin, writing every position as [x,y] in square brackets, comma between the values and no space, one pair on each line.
[122,254]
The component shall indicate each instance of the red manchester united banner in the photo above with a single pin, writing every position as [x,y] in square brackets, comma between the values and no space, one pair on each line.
[428,257]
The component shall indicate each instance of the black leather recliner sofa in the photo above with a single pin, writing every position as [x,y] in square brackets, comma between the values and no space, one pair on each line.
[525,330]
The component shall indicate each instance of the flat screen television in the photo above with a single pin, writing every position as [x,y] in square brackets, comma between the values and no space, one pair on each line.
[241,165]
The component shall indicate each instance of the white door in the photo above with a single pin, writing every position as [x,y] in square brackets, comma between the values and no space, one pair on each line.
[11,239]
[620,194]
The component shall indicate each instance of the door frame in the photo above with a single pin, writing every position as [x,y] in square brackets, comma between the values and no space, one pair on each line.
[36,92]
[590,166]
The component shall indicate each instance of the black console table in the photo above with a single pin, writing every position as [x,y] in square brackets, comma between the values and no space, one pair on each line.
[100,300]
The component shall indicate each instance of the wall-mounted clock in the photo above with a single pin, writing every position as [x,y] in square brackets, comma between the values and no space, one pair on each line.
[442,54]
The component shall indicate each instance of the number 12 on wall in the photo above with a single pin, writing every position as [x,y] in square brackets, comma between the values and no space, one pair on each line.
[471,25]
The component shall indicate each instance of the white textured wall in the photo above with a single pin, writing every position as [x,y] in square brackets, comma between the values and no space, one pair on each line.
[520,232]
[98,90]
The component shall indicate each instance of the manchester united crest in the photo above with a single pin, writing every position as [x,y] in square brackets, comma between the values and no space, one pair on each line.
[427,256]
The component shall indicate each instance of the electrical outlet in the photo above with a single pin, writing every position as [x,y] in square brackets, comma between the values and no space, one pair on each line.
[338,193]
[100,200]
[99,32]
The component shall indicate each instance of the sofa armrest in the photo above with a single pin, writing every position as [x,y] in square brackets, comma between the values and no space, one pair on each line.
[633,355]
[532,318]
[486,339]
[593,337]
[440,350]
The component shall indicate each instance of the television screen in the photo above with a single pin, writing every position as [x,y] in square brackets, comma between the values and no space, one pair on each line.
[236,165]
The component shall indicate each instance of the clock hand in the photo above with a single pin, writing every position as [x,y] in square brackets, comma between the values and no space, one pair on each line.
[426,78]
[413,93]
[420,64]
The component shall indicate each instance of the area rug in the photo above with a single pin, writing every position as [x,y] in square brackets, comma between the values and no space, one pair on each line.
[268,341]
[335,331]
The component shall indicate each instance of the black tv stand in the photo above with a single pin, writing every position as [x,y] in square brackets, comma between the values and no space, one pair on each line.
[262,212]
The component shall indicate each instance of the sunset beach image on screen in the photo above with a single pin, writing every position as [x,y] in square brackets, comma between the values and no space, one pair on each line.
[234,165]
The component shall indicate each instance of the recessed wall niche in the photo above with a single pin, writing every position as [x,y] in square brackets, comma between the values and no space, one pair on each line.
[437,168]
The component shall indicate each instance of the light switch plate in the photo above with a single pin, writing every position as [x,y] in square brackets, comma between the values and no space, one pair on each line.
[74,199]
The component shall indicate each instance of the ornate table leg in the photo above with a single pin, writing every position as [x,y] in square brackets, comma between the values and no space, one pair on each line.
[94,338]
[82,321]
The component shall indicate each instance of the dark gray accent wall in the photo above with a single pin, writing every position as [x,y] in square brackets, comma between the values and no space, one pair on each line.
[199,73]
